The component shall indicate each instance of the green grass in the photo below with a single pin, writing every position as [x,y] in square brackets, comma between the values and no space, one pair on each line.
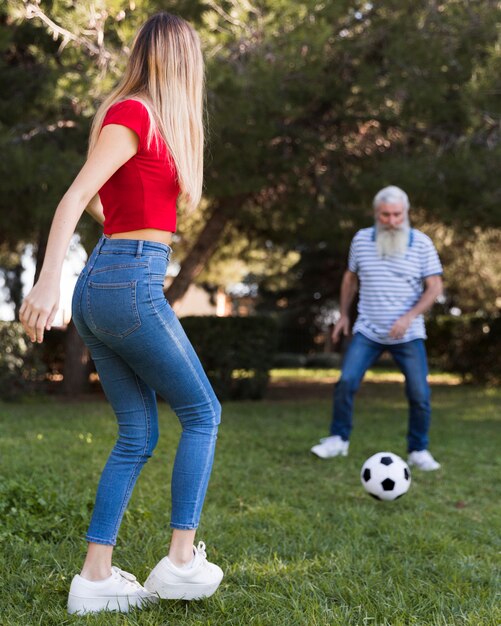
[299,540]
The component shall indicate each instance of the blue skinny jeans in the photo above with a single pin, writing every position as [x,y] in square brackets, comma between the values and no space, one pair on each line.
[140,348]
[410,357]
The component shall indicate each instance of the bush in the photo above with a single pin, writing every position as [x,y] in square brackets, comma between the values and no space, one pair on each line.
[467,345]
[289,360]
[236,352]
[324,360]
[21,369]
[52,350]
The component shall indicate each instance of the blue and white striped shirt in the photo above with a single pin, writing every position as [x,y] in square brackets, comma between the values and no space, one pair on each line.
[391,286]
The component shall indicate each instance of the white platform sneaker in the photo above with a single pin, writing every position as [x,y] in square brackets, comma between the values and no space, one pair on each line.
[200,580]
[423,460]
[330,447]
[120,592]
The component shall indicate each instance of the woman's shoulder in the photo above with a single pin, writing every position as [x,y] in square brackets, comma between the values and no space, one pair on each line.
[128,105]
[131,113]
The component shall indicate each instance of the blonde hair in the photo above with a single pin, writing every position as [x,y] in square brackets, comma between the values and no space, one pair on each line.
[165,72]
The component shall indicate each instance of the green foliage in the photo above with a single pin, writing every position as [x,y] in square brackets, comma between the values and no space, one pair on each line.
[472,267]
[467,345]
[318,361]
[324,360]
[310,297]
[52,351]
[236,352]
[20,368]
[289,360]
[35,176]
[332,101]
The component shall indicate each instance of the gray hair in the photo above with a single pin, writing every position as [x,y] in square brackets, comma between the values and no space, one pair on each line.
[391,195]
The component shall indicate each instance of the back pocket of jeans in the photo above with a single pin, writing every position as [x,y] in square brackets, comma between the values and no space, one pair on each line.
[112,307]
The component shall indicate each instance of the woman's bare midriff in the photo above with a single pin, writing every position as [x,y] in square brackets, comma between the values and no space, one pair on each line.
[147,234]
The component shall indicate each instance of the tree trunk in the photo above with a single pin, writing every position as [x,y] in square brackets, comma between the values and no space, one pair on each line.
[202,250]
[77,363]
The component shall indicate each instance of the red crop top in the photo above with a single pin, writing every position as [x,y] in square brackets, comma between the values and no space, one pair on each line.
[143,192]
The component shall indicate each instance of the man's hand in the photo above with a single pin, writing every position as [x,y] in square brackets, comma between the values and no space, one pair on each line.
[400,327]
[341,328]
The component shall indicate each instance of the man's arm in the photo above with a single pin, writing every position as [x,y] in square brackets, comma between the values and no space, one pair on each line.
[349,288]
[433,287]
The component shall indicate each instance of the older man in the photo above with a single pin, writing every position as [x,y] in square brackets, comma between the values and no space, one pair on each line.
[399,273]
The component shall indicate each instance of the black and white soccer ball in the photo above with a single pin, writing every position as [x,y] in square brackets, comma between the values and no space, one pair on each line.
[385,476]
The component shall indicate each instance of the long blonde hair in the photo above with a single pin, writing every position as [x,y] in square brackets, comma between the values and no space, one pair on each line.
[165,71]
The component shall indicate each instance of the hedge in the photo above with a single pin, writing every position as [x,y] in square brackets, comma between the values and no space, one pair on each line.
[21,369]
[236,352]
[467,345]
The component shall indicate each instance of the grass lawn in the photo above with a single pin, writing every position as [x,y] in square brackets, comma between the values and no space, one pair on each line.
[299,540]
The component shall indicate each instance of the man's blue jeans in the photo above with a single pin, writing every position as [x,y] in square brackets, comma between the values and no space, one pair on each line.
[411,359]
[139,348]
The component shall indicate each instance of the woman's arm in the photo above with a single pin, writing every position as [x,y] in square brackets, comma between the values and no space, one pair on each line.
[115,146]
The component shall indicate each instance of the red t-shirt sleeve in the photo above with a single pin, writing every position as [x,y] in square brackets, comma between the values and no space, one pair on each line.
[132,114]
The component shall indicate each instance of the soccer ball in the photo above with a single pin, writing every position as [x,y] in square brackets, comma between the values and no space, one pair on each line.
[385,476]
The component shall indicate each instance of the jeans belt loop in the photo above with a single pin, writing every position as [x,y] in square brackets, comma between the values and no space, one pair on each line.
[139,250]
[101,243]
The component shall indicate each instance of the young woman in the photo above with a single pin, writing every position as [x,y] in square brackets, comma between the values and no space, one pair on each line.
[146,148]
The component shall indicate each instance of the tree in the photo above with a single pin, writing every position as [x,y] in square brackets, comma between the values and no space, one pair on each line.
[331,102]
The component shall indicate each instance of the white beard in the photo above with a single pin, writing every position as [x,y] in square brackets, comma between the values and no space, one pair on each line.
[392,241]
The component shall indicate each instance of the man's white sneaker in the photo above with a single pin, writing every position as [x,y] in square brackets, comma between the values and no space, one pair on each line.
[423,460]
[199,580]
[119,592]
[331,446]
